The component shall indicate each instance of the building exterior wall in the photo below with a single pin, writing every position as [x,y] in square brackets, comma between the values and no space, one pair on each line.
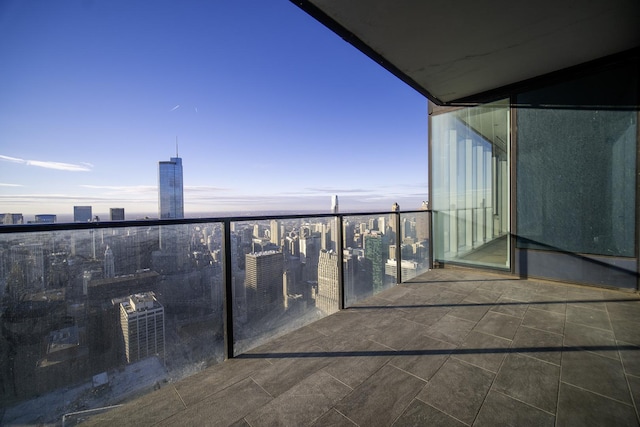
[170,187]
[142,329]
[563,202]
[328,296]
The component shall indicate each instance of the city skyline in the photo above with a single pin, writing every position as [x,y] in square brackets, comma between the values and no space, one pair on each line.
[273,112]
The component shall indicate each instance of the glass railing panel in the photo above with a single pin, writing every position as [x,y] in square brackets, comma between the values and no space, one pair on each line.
[285,275]
[90,317]
[369,255]
[414,244]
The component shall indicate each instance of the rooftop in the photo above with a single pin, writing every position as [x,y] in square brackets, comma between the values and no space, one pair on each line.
[451,347]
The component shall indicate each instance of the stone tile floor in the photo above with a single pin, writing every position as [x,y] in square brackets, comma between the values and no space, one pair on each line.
[451,348]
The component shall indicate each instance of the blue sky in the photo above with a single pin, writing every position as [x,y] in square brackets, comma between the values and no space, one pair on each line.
[272,111]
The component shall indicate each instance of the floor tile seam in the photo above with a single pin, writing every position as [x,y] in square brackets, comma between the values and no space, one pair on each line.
[179,396]
[540,330]
[339,380]
[231,384]
[546,311]
[503,314]
[519,328]
[493,380]
[455,346]
[443,411]
[527,403]
[440,339]
[458,317]
[263,389]
[384,345]
[583,349]
[545,330]
[478,303]
[493,335]
[495,374]
[589,326]
[599,394]
[455,356]
[633,400]
[600,355]
[389,362]
[339,412]
[584,306]
[401,413]
[557,365]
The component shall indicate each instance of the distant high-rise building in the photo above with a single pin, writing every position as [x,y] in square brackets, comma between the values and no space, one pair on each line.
[334,204]
[263,281]
[82,213]
[46,218]
[349,265]
[276,235]
[328,282]
[373,253]
[27,274]
[116,214]
[142,325]
[11,218]
[422,223]
[109,263]
[170,189]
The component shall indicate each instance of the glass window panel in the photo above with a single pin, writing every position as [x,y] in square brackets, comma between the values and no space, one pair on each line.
[470,183]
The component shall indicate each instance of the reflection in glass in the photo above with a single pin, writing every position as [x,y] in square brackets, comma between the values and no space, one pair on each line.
[369,260]
[470,149]
[576,165]
[104,313]
[285,275]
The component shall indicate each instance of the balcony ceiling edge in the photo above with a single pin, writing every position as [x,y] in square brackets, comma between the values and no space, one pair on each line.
[465,52]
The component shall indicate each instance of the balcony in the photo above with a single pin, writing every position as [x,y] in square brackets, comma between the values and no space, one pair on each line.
[446,347]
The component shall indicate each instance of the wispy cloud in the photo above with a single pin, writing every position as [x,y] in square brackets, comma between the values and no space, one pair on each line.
[71,167]
[175,108]
[336,190]
[2,184]
[126,189]
[203,189]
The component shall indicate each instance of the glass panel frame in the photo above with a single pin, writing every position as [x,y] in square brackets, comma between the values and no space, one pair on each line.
[470,176]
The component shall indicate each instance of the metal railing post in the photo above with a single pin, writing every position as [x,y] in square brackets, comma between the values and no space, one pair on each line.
[340,243]
[398,249]
[228,291]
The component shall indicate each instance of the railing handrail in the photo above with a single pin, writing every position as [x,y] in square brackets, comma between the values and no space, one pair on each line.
[94,225]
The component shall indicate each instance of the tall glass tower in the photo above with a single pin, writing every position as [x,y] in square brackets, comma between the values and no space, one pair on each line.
[170,193]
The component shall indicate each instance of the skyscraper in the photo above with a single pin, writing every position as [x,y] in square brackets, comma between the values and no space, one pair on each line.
[373,252]
[109,263]
[82,213]
[328,277]
[170,189]
[116,214]
[334,204]
[142,325]
[263,281]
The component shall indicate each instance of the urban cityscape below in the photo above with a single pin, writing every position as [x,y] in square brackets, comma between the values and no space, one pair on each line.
[98,315]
